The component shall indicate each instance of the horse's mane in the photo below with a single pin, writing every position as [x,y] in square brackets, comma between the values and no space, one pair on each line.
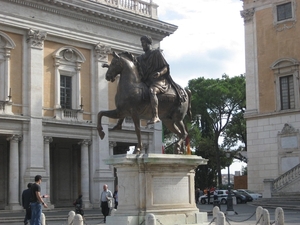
[133,59]
[129,56]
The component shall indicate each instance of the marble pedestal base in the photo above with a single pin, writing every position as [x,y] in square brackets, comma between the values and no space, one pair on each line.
[156,185]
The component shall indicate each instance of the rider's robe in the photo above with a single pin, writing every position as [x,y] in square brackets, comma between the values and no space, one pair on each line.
[152,62]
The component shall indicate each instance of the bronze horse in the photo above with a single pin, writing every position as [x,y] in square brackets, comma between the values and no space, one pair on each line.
[132,100]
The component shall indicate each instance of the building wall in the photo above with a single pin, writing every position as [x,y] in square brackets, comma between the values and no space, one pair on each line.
[36,137]
[272,133]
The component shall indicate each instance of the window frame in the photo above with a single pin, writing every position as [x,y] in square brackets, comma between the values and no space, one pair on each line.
[282,5]
[282,68]
[281,22]
[290,92]
[67,61]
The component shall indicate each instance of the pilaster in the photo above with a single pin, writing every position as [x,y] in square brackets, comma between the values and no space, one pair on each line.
[35,43]
[103,171]
[251,59]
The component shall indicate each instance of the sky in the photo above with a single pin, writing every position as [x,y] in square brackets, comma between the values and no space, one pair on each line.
[209,40]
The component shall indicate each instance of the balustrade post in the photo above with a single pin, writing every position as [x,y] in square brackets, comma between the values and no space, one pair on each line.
[268,186]
[279,216]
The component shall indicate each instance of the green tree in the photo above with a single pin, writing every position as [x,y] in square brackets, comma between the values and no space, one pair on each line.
[216,102]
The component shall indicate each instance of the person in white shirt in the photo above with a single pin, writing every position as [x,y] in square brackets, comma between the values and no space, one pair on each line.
[104,201]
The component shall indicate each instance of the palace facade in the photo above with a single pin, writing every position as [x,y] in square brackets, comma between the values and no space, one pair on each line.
[272,43]
[52,85]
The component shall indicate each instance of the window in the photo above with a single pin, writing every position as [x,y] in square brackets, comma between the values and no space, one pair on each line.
[66,92]
[286,72]
[287,95]
[67,99]
[284,11]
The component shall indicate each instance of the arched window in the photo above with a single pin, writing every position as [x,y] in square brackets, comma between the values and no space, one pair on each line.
[286,72]
[68,62]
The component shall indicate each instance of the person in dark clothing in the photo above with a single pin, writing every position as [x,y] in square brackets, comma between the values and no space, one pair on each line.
[208,196]
[115,196]
[36,201]
[78,205]
[197,195]
[26,194]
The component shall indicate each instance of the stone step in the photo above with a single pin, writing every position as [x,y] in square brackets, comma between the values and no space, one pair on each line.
[7,216]
[274,202]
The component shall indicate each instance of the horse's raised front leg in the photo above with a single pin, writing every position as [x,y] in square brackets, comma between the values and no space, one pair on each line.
[136,121]
[110,114]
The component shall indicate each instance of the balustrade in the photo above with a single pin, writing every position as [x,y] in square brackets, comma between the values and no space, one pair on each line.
[70,114]
[286,178]
[145,8]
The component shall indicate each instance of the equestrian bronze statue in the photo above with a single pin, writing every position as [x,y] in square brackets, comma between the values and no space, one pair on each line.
[133,100]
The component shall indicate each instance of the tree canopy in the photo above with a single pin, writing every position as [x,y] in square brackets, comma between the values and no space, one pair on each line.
[218,106]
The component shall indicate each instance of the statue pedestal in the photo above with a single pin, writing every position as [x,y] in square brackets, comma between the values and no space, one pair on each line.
[156,187]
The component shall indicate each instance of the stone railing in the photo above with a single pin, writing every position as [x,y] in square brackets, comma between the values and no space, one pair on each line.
[68,114]
[144,8]
[286,178]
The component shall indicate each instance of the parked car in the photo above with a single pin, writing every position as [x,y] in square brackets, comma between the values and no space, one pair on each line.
[248,197]
[240,198]
[251,193]
[222,197]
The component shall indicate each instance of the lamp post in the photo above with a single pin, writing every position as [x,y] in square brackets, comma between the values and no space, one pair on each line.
[229,209]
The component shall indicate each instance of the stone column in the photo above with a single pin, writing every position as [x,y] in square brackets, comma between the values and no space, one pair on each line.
[13,194]
[85,175]
[47,141]
[112,144]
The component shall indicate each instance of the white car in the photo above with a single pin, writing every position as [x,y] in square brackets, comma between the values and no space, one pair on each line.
[222,197]
[254,195]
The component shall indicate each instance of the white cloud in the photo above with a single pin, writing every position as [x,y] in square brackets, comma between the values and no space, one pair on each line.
[209,40]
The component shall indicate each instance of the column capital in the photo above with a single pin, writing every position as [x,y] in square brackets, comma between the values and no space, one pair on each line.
[15,138]
[102,51]
[247,14]
[36,38]
[85,142]
[112,144]
[48,139]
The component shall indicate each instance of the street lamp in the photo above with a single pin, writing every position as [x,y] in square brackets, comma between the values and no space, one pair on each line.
[229,209]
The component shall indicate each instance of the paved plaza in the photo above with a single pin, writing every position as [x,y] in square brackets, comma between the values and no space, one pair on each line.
[245,216]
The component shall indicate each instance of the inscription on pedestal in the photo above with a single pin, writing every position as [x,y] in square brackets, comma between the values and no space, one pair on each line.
[172,190]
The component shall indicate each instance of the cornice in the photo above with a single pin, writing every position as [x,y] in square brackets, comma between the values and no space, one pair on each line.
[101,14]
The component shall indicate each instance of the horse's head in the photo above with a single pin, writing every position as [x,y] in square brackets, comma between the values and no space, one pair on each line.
[118,64]
[115,67]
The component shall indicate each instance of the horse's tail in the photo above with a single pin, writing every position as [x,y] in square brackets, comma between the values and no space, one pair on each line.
[189,112]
